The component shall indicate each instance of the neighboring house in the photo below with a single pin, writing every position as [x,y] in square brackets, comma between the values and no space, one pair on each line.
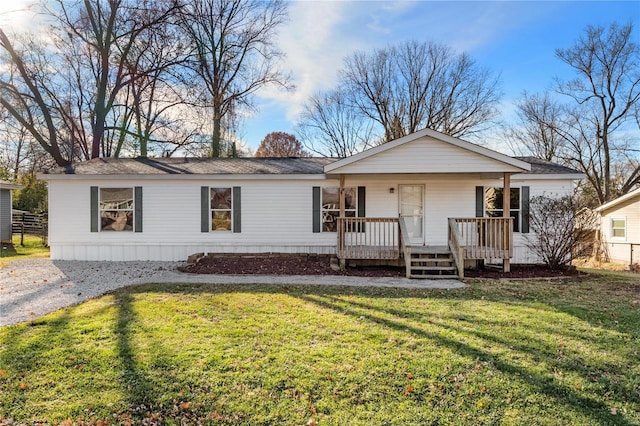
[5,211]
[400,199]
[620,228]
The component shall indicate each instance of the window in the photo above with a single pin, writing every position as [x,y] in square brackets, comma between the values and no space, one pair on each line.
[116,209]
[331,207]
[494,204]
[619,227]
[221,209]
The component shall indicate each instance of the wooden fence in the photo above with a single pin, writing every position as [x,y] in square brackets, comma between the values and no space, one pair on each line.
[31,224]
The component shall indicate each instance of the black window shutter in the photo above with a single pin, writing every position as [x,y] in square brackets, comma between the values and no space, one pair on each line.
[361,202]
[479,201]
[137,214]
[204,208]
[94,209]
[237,213]
[316,209]
[524,196]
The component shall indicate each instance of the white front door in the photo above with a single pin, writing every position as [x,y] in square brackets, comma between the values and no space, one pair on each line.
[411,209]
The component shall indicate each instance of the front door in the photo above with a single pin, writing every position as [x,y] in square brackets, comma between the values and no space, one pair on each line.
[411,209]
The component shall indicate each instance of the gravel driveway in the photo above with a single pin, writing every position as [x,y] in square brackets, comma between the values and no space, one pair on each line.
[34,287]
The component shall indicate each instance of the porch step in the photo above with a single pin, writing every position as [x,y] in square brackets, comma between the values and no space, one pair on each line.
[435,262]
[433,268]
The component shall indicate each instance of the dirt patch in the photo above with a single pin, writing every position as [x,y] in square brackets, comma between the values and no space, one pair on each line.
[320,265]
[525,271]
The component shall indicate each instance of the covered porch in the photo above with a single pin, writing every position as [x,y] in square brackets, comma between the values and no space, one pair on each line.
[426,204]
[387,239]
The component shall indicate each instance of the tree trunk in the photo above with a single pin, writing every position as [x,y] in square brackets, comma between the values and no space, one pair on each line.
[217,133]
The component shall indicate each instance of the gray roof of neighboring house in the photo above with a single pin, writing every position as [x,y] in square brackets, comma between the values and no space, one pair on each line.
[543,167]
[252,165]
[200,166]
[9,185]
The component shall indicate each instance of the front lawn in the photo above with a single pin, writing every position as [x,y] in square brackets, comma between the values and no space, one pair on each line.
[32,248]
[538,353]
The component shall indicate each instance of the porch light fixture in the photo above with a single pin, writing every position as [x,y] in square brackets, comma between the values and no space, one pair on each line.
[392,190]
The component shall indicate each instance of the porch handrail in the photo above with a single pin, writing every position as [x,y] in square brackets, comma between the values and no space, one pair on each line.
[368,238]
[486,237]
[404,249]
[456,247]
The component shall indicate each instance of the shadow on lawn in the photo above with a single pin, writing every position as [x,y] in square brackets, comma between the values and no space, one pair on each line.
[562,395]
[141,389]
[540,382]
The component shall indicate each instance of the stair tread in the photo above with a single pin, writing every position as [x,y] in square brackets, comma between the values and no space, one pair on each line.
[432,277]
[433,268]
[424,260]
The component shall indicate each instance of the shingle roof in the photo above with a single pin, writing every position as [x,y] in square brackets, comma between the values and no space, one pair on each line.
[249,166]
[201,166]
[542,167]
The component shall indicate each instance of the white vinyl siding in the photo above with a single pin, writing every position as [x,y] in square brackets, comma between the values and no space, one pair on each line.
[443,158]
[276,214]
[275,218]
[617,248]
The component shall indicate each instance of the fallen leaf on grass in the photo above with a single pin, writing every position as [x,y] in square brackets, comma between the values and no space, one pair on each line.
[408,390]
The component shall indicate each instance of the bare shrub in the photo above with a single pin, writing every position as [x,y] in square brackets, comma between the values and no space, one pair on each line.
[562,230]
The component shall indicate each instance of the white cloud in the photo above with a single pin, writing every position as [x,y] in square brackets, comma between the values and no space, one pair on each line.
[19,15]
[314,51]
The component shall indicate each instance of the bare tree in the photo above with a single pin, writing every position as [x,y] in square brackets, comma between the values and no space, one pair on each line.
[280,144]
[536,132]
[100,39]
[23,97]
[417,85]
[605,95]
[234,54]
[68,84]
[330,126]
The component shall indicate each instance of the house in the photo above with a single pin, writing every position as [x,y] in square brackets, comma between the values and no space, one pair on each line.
[5,211]
[620,228]
[426,195]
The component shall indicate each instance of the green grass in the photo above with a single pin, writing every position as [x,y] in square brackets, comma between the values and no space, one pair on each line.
[33,248]
[535,353]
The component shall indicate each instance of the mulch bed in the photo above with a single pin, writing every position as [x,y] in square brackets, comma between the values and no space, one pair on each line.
[320,265]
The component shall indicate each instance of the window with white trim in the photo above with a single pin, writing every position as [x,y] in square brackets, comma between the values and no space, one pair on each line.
[116,209]
[221,209]
[494,204]
[619,228]
[330,202]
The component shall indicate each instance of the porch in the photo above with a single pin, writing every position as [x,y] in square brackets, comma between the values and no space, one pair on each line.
[483,238]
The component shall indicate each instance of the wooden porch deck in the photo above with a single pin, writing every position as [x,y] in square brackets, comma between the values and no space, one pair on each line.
[384,239]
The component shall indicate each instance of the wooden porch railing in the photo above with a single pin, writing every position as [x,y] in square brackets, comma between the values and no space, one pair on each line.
[368,238]
[483,237]
[456,247]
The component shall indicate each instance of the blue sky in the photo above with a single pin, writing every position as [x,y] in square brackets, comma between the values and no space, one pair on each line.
[516,39]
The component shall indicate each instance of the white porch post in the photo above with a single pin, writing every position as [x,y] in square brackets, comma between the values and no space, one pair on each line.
[506,212]
[339,229]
